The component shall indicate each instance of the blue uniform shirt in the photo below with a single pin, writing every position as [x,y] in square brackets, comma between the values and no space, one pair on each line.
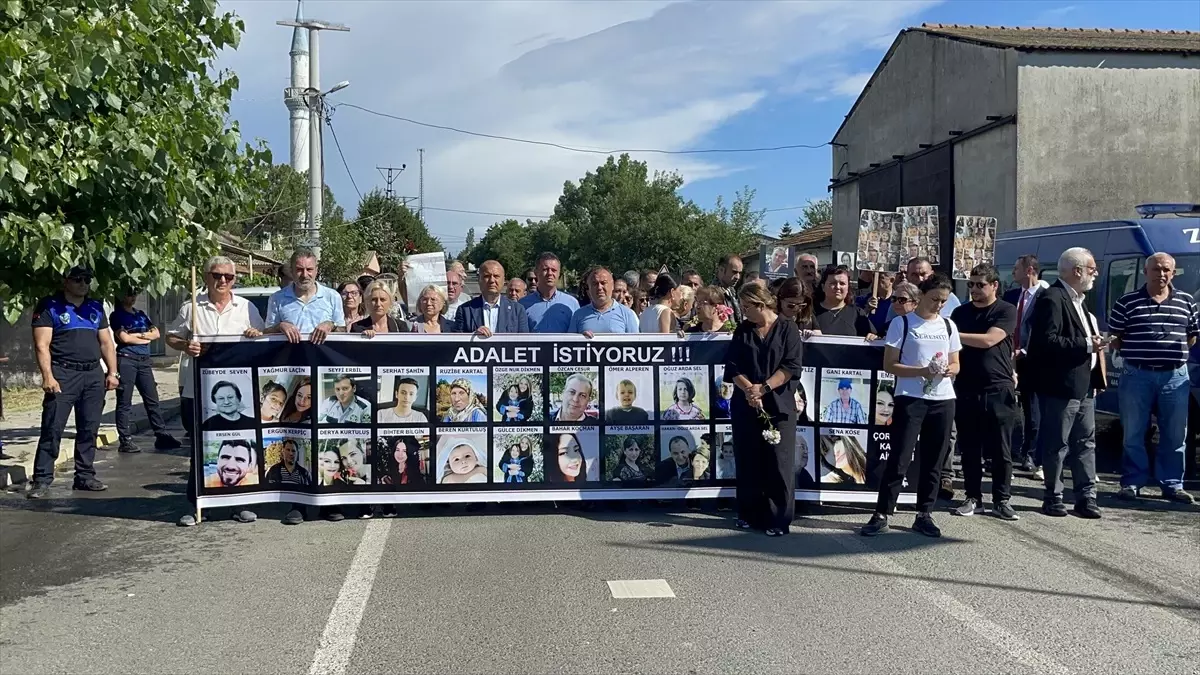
[616,319]
[76,336]
[550,316]
[324,305]
[130,322]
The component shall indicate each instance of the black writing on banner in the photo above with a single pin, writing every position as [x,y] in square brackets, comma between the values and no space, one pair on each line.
[411,419]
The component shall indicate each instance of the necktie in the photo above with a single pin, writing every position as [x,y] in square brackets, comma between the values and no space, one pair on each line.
[1020,320]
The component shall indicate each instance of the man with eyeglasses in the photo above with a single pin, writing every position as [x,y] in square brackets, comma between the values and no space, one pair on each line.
[305,305]
[70,337]
[986,394]
[219,311]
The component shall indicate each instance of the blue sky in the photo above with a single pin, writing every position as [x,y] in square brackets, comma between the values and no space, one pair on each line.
[634,74]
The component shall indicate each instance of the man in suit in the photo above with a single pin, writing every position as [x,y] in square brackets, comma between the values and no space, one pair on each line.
[491,312]
[1026,272]
[1066,356]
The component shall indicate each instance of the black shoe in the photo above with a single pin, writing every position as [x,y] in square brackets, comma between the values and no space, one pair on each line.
[947,490]
[165,442]
[37,490]
[775,532]
[293,517]
[333,514]
[128,447]
[1086,508]
[1004,511]
[924,524]
[388,511]
[1027,465]
[1055,508]
[742,525]
[89,485]
[877,525]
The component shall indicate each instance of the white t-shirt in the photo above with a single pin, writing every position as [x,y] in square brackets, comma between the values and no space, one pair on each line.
[926,339]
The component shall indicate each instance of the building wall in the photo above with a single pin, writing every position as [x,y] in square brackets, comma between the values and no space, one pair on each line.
[985,176]
[845,215]
[1100,133]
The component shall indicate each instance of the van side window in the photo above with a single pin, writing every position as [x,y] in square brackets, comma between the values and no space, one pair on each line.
[1123,277]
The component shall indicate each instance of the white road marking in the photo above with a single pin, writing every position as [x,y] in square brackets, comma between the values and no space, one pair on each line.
[640,588]
[341,630]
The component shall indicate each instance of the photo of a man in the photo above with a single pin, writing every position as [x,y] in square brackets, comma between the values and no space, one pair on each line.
[574,403]
[226,397]
[236,465]
[287,470]
[845,409]
[402,412]
[345,406]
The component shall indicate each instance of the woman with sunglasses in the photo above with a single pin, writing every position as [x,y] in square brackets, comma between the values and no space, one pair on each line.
[904,298]
[351,302]
[794,302]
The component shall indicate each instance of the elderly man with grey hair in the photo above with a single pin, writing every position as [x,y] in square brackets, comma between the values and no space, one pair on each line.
[219,311]
[455,297]
[1066,356]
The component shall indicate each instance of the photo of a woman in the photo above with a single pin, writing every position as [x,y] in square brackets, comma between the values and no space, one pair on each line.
[630,469]
[298,409]
[683,407]
[843,459]
[514,408]
[722,395]
[563,459]
[272,398]
[885,403]
[403,460]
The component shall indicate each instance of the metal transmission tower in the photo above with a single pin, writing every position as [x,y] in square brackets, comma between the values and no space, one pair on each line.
[391,178]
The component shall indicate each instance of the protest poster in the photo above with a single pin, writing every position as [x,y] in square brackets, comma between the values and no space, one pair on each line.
[879,237]
[407,418]
[920,234]
[776,262]
[424,269]
[974,244]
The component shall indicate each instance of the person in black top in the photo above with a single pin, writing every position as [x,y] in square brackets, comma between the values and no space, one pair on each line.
[134,331]
[835,314]
[987,398]
[763,362]
[70,336]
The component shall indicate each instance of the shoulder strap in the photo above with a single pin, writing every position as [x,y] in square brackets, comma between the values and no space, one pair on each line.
[904,339]
[949,328]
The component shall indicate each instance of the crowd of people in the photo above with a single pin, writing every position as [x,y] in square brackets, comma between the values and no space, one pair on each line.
[1031,359]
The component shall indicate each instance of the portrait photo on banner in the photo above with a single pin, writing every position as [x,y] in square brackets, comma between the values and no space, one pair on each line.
[921,236]
[721,394]
[806,396]
[776,262]
[574,394]
[402,395]
[277,387]
[685,455]
[806,457]
[974,244]
[402,457]
[628,394]
[843,455]
[286,453]
[517,455]
[344,457]
[629,454]
[683,393]
[231,458]
[461,395]
[885,397]
[346,393]
[517,393]
[461,456]
[571,454]
[227,399]
[845,396]
[844,259]
[724,462]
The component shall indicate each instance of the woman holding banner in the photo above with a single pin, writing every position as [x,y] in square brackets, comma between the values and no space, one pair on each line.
[379,318]
[763,361]
[430,305]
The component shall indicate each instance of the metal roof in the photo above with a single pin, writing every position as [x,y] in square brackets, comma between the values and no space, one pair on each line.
[1070,39]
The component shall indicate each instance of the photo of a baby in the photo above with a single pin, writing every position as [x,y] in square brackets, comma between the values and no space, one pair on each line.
[517,392]
[461,456]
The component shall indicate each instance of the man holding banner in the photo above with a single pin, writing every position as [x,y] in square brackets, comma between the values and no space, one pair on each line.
[305,305]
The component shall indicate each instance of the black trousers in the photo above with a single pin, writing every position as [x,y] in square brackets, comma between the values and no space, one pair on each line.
[988,419]
[1031,415]
[83,392]
[920,428]
[187,415]
[766,474]
[136,372]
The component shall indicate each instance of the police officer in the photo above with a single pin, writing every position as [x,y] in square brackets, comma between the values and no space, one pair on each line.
[134,331]
[70,336]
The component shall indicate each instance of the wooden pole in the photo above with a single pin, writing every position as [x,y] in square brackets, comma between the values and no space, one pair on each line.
[195,432]
[874,284]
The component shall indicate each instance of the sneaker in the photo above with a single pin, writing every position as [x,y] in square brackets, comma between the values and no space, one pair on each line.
[947,490]
[877,525]
[1055,508]
[245,516]
[1038,474]
[775,532]
[165,442]
[187,520]
[366,512]
[969,507]
[89,485]
[1086,508]
[293,517]
[1027,465]
[742,525]
[334,514]
[1128,493]
[37,490]
[128,447]
[389,511]
[1178,496]
[924,524]
[1004,511]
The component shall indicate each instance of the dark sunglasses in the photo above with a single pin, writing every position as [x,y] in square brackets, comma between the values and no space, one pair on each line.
[222,277]
[900,301]
[81,279]
[978,284]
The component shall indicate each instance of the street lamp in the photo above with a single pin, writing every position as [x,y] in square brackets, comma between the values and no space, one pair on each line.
[338,87]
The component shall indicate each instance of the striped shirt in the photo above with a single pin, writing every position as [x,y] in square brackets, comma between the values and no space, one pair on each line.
[836,413]
[1155,335]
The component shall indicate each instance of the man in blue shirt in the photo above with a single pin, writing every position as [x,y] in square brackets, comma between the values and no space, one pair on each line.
[134,332]
[549,309]
[604,315]
[305,305]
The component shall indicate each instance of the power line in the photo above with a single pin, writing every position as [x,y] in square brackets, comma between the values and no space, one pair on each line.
[487,213]
[329,122]
[591,151]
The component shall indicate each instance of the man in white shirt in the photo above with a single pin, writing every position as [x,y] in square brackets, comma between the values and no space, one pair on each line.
[455,298]
[218,312]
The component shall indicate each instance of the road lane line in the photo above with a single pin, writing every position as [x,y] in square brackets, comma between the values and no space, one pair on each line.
[640,588]
[341,630]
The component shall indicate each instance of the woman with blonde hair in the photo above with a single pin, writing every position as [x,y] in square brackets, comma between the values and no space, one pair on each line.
[684,304]
[430,305]
[379,318]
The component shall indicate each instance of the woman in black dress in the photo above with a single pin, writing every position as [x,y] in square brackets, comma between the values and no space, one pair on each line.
[763,362]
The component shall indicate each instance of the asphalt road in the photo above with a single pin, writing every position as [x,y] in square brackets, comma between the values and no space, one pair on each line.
[106,583]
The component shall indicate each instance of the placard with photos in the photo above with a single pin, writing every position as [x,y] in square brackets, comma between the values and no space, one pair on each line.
[879,237]
[974,244]
[921,236]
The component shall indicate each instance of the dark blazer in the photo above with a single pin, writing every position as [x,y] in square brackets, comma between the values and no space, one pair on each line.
[512,317]
[394,325]
[1060,362]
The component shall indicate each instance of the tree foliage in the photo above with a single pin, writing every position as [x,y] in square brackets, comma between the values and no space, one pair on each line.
[786,230]
[817,211]
[508,242]
[116,149]
[382,225]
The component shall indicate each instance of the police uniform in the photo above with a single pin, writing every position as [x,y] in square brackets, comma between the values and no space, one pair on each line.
[75,363]
[133,365]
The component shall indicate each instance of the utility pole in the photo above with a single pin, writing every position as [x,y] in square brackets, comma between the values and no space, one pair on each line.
[391,178]
[421,187]
[315,99]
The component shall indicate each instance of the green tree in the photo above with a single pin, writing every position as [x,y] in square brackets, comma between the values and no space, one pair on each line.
[117,150]
[507,242]
[392,230]
[465,254]
[817,211]
[785,231]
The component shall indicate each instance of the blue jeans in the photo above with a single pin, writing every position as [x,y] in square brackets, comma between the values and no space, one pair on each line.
[1164,392]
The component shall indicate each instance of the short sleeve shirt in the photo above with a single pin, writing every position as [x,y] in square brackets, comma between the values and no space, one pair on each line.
[76,336]
[927,339]
[550,316]
[616,319]
[131,322]
[992,368]
[324,305]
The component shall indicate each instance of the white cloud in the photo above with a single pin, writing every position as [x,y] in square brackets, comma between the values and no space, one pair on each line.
[606,75]
[852,85]
[1054,16]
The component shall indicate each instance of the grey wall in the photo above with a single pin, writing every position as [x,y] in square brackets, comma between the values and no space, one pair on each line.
[845,216]
[1095,141]
[985,176]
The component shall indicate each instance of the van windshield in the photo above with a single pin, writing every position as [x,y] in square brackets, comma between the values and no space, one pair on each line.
[1187,274]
